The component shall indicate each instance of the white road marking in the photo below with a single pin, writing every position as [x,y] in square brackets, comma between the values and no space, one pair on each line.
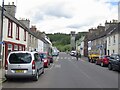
[58,66]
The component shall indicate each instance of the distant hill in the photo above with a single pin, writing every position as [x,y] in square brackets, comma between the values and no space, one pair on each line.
[62,41]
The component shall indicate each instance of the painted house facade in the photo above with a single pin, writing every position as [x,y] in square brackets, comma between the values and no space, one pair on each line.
[113,39]
[17,35]
[104,40]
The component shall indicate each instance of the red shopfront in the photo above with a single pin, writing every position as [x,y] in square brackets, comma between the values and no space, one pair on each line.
[10,46]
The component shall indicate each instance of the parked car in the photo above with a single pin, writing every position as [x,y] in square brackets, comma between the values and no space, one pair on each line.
[46,58]
[73,53]
[114,62]
[23,64]
[93,57]
[55,52]
[103,60]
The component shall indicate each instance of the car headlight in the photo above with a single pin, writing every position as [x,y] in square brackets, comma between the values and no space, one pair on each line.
[45,60]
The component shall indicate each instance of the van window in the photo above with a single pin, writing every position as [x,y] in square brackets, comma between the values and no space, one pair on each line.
[18,58]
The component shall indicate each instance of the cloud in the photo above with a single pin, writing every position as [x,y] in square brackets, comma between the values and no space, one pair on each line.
[66,15]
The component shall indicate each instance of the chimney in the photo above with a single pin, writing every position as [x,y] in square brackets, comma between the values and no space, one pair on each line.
[33,28]
[11,9]
[26,22]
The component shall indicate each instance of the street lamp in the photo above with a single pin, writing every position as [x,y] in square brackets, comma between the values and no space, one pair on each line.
[1,38]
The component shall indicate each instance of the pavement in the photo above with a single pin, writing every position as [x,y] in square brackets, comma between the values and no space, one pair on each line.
[2,78]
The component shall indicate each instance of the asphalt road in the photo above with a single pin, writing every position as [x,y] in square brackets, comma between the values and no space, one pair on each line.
[66,72]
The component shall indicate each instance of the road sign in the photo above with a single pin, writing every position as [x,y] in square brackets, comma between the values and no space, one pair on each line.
[1,42]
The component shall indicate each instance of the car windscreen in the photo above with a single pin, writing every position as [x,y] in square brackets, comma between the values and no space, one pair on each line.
[43,55]
[20,58]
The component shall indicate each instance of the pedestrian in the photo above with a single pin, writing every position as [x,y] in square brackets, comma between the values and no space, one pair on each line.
[77,56]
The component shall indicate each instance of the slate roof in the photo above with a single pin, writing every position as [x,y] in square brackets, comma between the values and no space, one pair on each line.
[6,14]
[112,29]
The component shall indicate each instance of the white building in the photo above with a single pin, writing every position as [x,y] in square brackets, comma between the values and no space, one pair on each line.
[113,40]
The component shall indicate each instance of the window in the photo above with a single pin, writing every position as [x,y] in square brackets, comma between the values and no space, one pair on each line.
[109,40]
[10,29]
[114,39]
[113,51]
[17,32]
[20,48]
[15,47]
[36,56]
[24,35]
[17,58]
[108,52]
[9,48]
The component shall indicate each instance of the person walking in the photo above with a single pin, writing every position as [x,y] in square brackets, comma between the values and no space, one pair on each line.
[77,56]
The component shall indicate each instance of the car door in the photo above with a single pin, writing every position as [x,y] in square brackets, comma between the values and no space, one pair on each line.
[38,61]
[116,64]
[113,61]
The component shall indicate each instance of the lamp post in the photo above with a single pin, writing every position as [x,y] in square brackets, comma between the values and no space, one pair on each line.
[1,34]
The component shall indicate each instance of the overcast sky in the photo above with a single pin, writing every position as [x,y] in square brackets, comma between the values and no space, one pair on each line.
[52,16]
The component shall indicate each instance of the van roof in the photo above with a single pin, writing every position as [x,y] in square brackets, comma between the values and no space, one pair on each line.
[22,52]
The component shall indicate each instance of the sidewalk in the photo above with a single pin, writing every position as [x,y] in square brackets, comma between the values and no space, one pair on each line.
[84,58]
[2,78]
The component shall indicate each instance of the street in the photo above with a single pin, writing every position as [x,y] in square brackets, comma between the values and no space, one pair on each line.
[67,72]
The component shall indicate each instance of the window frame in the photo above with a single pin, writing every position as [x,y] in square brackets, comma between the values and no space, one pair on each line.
[10,28]
[17,32]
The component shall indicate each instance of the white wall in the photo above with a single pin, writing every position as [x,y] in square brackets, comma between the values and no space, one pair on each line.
[40,46]
[113,46]
[21,32]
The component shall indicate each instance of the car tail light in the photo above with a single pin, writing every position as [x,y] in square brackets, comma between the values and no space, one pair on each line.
[33,64]
[106,59]
[6,65]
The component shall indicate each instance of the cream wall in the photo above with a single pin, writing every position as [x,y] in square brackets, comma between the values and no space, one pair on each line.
[113,46]
[21,32]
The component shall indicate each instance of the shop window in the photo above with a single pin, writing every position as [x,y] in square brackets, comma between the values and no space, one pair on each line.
[20,48]
[15,47]
[9,48]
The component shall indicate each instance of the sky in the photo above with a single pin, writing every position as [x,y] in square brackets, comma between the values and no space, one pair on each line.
[64,16]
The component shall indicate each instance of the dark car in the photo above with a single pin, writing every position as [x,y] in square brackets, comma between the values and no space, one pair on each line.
[103,60]
[114,62]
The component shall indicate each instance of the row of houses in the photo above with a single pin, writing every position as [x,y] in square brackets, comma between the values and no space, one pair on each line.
[103,40]
[18,35]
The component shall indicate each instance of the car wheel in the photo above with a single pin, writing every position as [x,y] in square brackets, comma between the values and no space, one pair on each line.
[110,67]
[102,64]
[36,76]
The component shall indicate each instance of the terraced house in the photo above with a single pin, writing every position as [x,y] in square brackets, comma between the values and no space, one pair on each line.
[17,34]
[104,40]
[113,38]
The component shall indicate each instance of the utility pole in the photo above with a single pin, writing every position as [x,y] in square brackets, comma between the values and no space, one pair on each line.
[1,35]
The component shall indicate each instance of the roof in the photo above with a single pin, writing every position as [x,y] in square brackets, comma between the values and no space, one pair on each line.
[6,14]
[112,29]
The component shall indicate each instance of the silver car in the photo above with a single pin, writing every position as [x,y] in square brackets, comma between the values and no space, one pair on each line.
[23,64]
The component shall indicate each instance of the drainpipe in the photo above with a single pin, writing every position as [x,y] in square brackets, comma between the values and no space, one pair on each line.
[1,38]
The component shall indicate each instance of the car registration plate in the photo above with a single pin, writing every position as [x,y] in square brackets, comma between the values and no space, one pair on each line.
[19,71]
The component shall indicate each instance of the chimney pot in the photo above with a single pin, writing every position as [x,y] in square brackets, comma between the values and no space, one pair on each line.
[8,3]
[12,3]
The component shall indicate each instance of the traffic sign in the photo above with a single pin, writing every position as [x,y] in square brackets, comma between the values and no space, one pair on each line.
[1,42]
